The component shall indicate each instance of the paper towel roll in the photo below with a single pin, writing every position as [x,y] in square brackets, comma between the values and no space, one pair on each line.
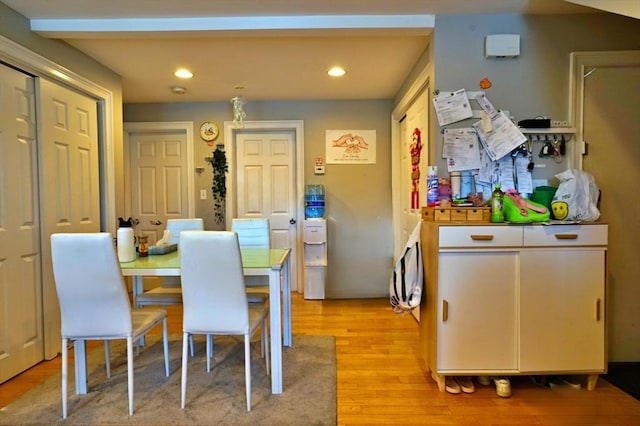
[455,185]
[126,245]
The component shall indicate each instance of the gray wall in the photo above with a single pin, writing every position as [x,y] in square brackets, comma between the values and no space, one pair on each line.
[358,197]
[535,83]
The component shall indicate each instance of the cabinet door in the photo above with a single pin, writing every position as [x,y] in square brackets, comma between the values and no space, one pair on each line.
[476,319]
[562,310]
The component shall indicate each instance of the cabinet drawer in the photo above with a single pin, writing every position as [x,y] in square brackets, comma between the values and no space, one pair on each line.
[480,236]
[565,235]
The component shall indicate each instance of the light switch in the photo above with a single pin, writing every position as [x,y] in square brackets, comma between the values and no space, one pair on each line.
[203,194]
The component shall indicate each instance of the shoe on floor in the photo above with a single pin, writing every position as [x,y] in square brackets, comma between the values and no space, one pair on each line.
[503,387]
[466,384]
[451,386]
[484,380]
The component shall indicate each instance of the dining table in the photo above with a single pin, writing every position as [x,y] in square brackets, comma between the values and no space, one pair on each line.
[273,263]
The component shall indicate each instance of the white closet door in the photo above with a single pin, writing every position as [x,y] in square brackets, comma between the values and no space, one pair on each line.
[21,335]
[70,182]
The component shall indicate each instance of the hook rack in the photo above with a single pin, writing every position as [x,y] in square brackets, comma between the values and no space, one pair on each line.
[558,133]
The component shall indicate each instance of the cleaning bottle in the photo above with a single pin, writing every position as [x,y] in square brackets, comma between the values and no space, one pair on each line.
[497,198]
[432,186]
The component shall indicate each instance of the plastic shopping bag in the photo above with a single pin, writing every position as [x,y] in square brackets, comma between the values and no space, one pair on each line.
[576,197]
[405,290]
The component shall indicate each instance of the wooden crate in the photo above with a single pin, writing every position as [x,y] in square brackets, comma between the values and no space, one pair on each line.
[456,214]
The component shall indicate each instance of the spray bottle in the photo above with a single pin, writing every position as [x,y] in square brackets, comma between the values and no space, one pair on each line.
[432,186]
[497,198]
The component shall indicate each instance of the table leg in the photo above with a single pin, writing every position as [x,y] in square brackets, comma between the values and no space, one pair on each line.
[136,288]
[286,291]
[80,365]
[275,312]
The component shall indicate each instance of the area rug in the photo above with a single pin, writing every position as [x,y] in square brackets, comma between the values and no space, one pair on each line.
[218,397]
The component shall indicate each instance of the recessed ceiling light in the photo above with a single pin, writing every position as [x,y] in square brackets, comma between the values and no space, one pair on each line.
[178,90]
[336,72]
[183,73]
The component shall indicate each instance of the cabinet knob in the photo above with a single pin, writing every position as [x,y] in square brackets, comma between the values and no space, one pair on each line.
[566,236]
[482,237]
[445,310]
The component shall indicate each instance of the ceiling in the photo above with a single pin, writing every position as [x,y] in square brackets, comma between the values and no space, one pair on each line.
[273,49]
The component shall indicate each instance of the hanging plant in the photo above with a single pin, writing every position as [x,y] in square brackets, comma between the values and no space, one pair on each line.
[219,186]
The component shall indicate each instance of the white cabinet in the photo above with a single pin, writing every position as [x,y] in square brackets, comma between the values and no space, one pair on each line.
[479,296]
[514,299]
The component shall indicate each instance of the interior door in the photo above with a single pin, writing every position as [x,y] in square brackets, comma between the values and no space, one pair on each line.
[412,202]
[21,331]
[69,182]
[610,129]
[158,176]
[265,180]
[416,118]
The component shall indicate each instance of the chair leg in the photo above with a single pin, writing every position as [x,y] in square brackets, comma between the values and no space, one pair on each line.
[185,357]
[65,366]
[247,368]
[209,347]
[165,342]
[107,358]
[191,345]
[130,372]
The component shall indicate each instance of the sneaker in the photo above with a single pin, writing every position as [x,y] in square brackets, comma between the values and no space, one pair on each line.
[451,386]
[466,384]
[484,380]
[503,387]
[562,381]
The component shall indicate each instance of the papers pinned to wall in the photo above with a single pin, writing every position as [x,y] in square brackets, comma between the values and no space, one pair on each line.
[461,148]
[503,137]
[452,107]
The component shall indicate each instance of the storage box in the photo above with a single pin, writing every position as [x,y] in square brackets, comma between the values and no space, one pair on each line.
[457,214]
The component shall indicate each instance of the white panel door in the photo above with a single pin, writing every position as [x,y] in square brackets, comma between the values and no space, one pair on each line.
[265,179]
[158,176]
[416,118]
[611,130]
[70,182]
[21,332]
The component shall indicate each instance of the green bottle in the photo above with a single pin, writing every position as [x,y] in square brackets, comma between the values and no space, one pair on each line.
[497,198]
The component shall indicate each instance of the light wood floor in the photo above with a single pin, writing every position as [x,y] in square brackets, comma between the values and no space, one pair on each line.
[381,379]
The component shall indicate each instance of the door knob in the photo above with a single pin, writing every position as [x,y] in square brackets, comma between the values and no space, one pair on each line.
[155,222]
[292,221]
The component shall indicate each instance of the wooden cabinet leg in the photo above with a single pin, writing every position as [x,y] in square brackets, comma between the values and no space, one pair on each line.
[439,379]
[591,381]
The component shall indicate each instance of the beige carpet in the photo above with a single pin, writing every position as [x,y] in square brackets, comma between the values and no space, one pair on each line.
[218,397]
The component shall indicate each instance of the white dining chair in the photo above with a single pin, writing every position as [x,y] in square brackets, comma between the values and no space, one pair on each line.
[94,304]
[214,298]
[253,233]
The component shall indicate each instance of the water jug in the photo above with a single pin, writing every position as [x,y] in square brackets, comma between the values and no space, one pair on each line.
[314,201]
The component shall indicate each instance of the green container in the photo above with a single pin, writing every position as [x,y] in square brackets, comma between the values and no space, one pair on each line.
[544,195]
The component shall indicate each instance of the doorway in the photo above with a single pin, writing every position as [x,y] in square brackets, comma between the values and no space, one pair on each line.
[277,166]
[158,172]
[605,112]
